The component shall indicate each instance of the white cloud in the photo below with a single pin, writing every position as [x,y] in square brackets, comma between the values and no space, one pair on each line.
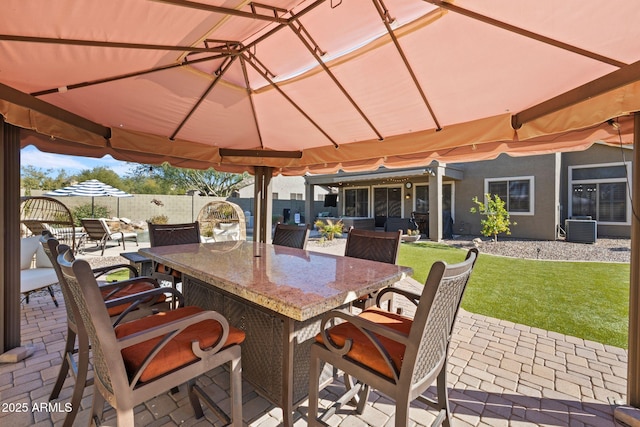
[31,156]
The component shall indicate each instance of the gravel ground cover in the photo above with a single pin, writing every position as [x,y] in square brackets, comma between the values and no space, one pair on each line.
[604,250]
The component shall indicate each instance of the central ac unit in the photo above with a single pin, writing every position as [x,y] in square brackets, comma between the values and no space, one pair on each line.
[581,231]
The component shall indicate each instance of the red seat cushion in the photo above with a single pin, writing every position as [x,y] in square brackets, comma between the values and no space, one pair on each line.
[131,289]
[362,350]
[178,351]
[163,269]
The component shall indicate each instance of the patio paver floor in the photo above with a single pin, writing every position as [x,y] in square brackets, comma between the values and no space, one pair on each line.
[500,374]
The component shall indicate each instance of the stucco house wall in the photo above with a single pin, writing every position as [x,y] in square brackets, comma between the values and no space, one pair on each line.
[541,222]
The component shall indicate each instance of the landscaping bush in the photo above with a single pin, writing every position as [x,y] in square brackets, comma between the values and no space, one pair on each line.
[159,219]
[329,229]
[84,211]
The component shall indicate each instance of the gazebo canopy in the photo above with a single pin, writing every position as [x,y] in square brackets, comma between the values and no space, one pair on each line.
[316,85]
[295,86]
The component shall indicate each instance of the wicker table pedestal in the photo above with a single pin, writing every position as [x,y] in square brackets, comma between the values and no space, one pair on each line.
[274,346]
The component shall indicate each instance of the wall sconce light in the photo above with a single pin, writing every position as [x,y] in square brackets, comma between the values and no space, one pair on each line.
[407,196]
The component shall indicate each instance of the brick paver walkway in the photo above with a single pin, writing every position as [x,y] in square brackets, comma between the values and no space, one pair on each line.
[500,374]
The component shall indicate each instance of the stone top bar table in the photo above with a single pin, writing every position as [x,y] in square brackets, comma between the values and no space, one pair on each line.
[277,295]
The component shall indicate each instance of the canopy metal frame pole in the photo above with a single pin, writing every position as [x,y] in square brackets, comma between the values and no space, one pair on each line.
[633,357]
[9,227]
[263,204]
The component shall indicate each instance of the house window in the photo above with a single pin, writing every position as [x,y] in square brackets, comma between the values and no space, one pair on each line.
[356,202]
[387,202]
[600,192]
[516,192]
[422,198]
[295,196]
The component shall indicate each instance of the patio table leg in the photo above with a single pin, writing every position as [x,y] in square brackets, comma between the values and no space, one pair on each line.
[287,366]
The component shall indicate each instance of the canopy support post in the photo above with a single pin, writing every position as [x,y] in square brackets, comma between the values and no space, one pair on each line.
[9,226]
[263,204]
[633,376]
[630,415]
[435,202]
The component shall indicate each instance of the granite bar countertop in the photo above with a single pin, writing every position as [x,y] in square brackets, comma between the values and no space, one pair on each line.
[292,282]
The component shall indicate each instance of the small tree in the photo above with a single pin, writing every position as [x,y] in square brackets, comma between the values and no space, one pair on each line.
[497,217]
[328,230]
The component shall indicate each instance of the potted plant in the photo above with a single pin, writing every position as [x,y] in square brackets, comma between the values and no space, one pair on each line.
[411,236]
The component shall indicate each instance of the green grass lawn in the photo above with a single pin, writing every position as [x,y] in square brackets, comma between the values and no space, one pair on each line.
[118,275]
[588,300]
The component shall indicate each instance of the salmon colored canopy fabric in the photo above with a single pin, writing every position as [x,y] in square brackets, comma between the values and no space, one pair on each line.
[317,86]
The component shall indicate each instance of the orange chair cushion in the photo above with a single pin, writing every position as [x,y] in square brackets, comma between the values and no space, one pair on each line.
[131,289]
[163,269]
[362,350]
[178,351]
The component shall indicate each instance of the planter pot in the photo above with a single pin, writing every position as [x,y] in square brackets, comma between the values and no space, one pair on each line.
[407,238]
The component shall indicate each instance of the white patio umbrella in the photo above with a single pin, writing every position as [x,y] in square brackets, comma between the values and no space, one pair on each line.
[91,188]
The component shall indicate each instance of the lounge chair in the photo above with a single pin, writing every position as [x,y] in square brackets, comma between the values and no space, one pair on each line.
[222,221]
[98,230]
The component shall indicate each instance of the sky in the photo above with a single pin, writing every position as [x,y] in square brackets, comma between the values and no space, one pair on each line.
[31,156]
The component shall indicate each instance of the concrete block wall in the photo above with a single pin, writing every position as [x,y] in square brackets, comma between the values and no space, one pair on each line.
[178,208]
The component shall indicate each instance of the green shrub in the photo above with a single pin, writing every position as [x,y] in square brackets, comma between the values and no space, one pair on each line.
[496,216]
[159,219]
[206,230]
[328,230]
[84,211]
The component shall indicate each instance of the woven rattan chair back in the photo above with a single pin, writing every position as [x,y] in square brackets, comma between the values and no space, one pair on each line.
[38,214]
[124,390]
[422,351]
[174,234]
[382,246]
[76,358]
[92,321]
[50,246]
[434,319]
[168,235]
[213,214]
[292,236]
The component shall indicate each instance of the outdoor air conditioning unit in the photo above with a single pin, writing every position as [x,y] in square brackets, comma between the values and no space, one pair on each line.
[581,231]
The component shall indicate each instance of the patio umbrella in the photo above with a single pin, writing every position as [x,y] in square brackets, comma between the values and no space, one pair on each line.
[91,188]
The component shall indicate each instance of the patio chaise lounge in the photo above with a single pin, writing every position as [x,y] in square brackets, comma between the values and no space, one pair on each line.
[98,230]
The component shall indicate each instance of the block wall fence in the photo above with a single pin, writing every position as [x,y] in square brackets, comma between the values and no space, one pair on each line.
[178,208]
